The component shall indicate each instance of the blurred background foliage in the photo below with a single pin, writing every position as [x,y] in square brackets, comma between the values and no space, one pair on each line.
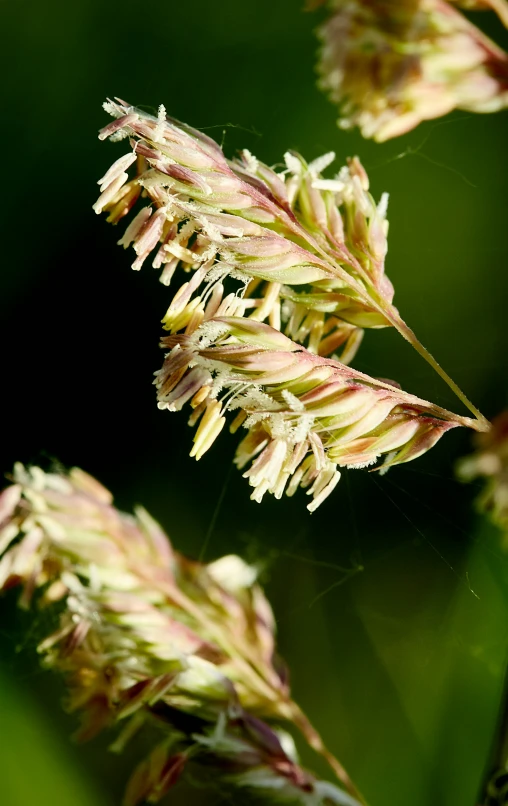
[399,664]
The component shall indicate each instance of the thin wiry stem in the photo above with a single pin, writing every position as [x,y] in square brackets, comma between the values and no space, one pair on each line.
[316,742]
[285,708]
[371,297]
[291,229]
[481,423]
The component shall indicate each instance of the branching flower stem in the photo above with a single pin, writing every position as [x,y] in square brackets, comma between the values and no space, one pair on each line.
[146,635]
[239,218]
[480,423]
[315,741]
[285,708]
[388,310]
[392,315]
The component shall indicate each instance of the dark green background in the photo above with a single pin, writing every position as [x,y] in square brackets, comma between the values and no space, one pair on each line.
[399,665]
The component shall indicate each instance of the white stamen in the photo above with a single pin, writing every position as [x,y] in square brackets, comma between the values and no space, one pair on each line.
[112,109]
[293,402]
[110,193]
[320,163]
[116,169]
[382,207]
[325,492]
[232,573]
[335,185]
[251,161]
[293,164]
[159,129]
[135,227]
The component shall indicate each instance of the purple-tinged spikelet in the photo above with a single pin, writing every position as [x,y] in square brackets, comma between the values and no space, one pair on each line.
[300,251]
[490,462]
[294,249]
[145,635]
[390,64]
[306,416]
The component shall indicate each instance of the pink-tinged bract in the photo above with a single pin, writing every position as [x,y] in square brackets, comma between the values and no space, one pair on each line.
[306,416]
[391,64]
[145,636]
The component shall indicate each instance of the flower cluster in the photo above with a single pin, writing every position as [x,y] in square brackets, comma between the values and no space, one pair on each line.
[289,261]
[297,250]
[144,634]
[246,752]
[490,462]
[306,416]
[390,64]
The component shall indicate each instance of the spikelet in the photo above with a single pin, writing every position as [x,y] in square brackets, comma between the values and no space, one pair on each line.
[390,64]
[305,416]
[306,253]
[145,635]
[300,251]
[490,463]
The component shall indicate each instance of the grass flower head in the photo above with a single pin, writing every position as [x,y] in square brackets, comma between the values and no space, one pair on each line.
[144,636]
[391,64]
[306,253]
[305,416]
[490,463]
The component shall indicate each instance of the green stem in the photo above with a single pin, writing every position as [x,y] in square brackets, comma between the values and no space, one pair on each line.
[482,424]
[315,741]
[283,708]
[371,296]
